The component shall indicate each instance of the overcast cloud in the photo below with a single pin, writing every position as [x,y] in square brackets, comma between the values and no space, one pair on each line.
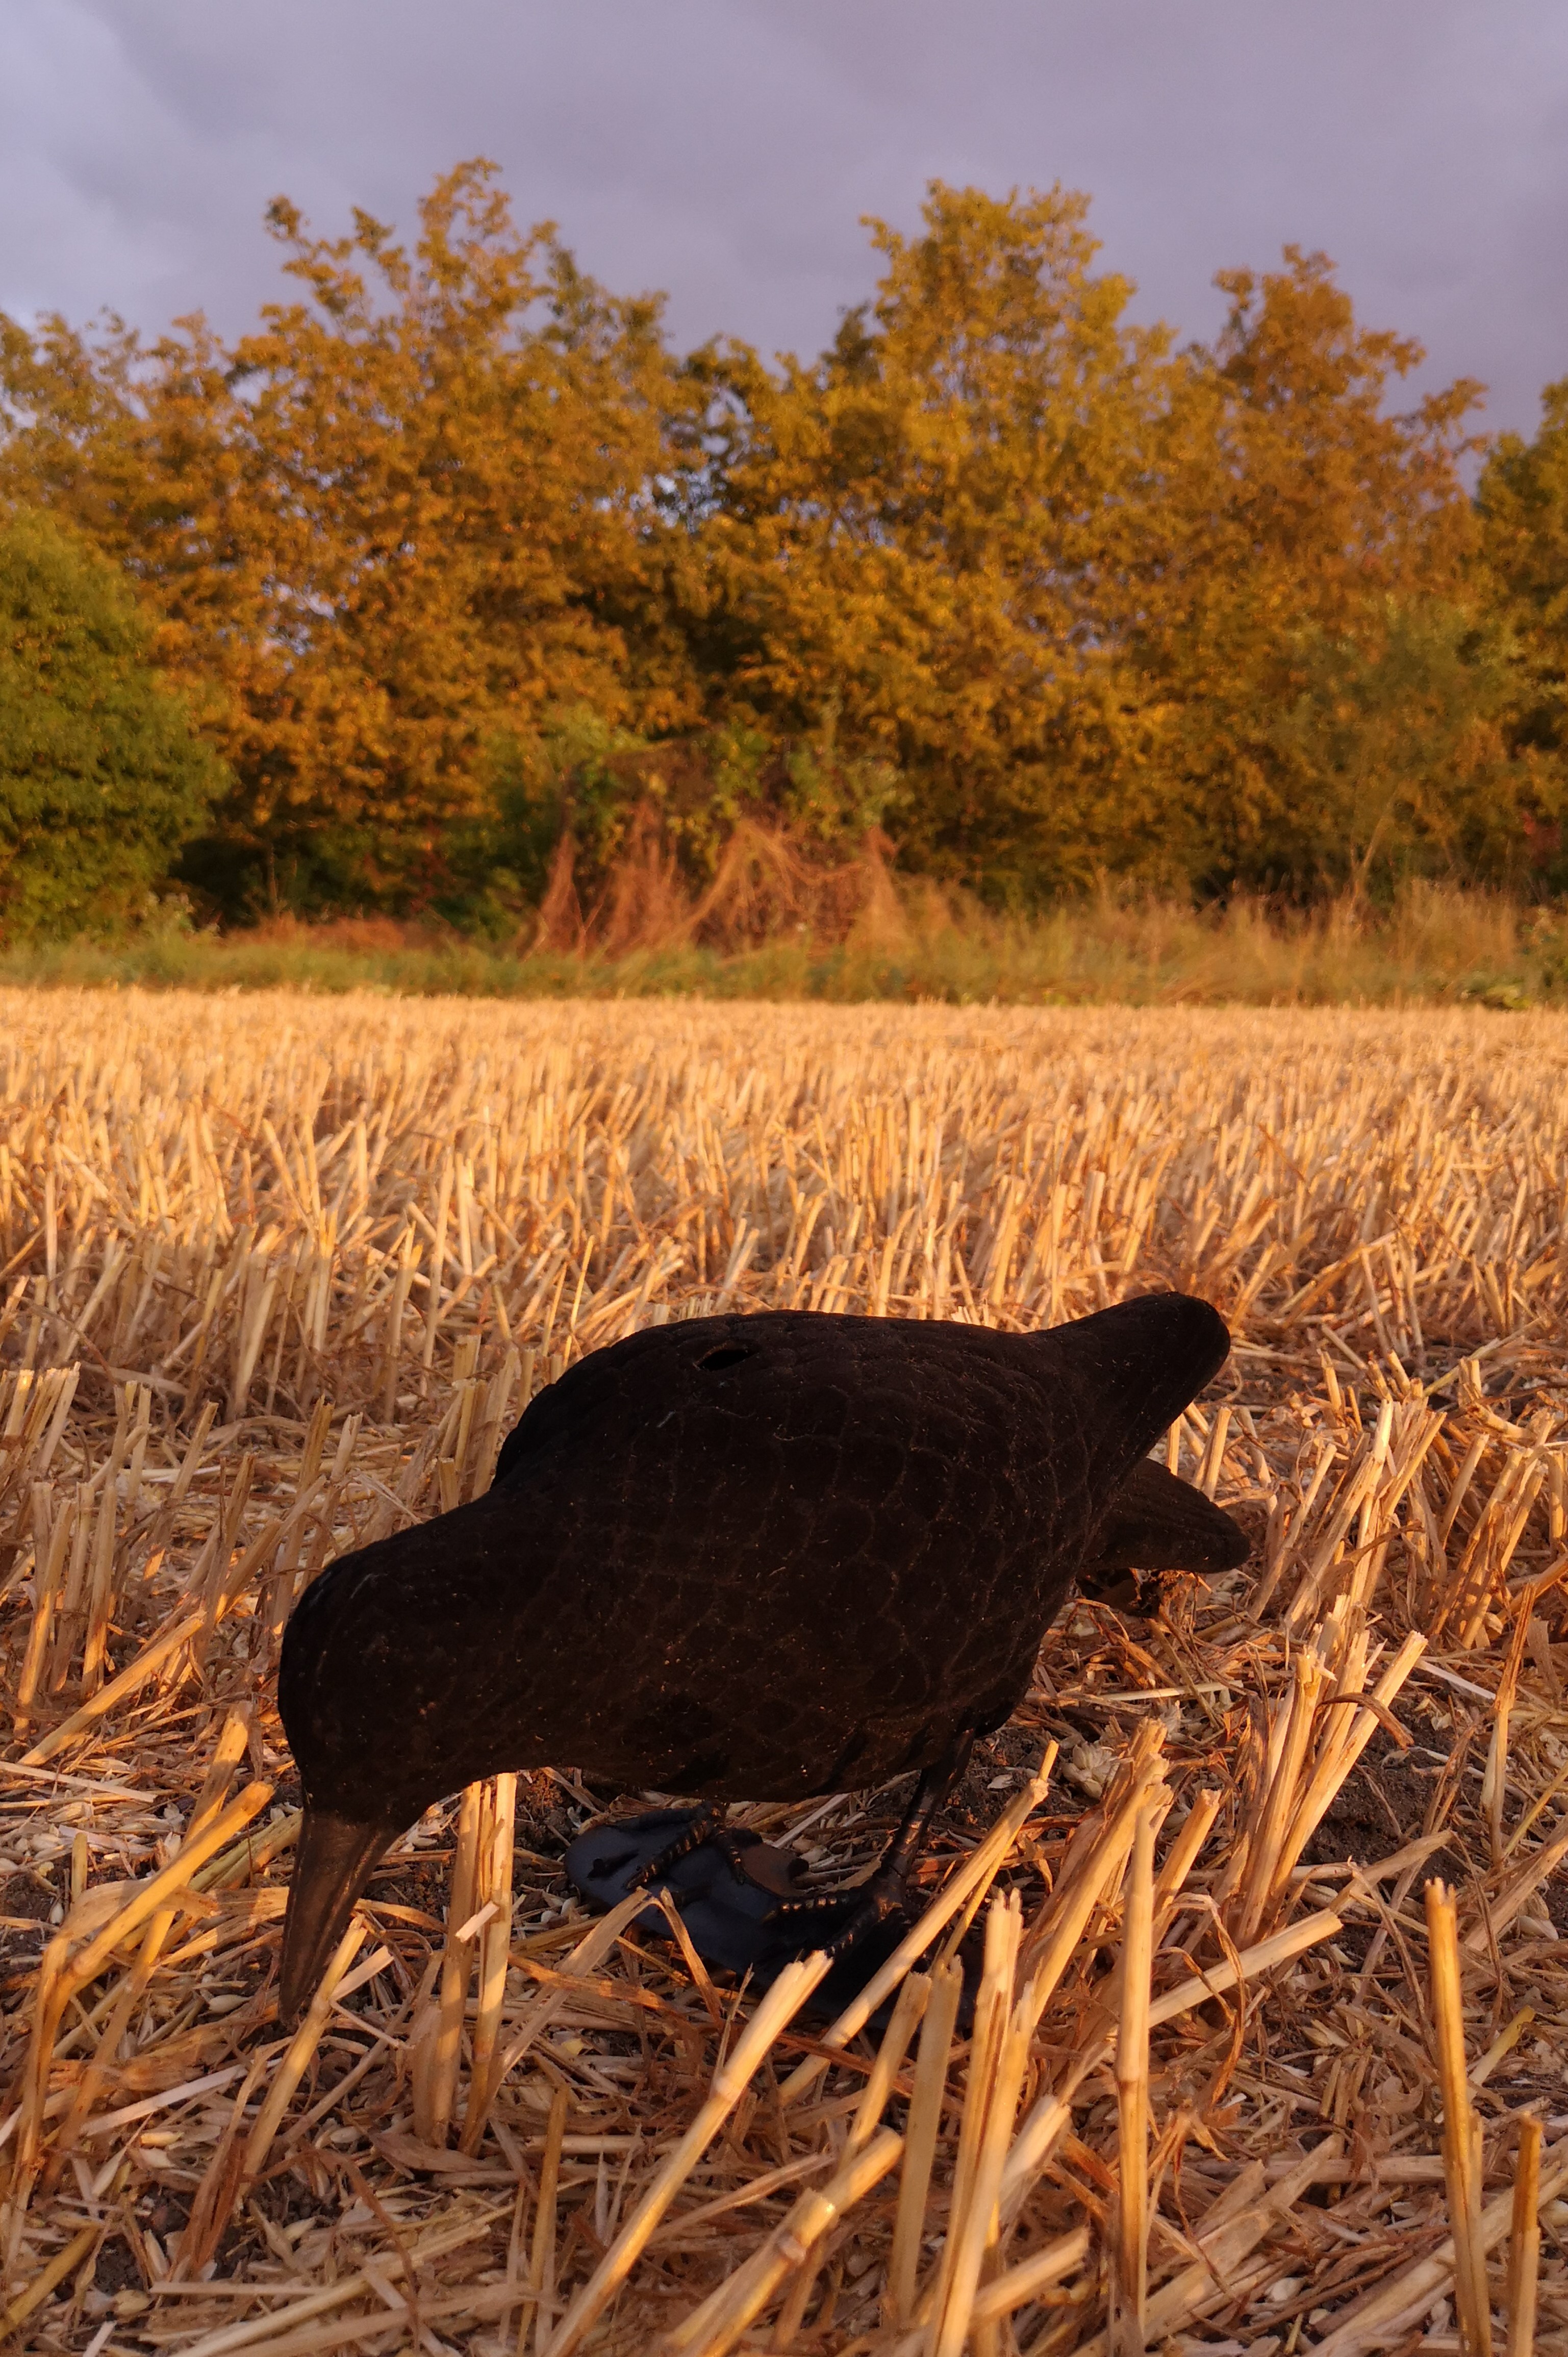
[723,150]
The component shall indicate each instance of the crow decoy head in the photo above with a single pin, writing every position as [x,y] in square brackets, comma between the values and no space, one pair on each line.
[743,1558]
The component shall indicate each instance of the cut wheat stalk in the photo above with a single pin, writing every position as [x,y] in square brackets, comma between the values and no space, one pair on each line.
[493,1893]
[975,2231]
[1293,1718]
[714,2330]
[438,2043]
[968,1884]
[1339,1754]
[907,2015]
[1461,2128]
[1130,2271]
[920,2141]
[1524,2242]
[969,2210]
[1051,2115]
[537,2317]
[1092,1871]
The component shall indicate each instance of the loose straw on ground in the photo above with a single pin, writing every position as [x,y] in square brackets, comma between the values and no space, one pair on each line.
[1408,2294]
[715,2329]
[902,2024]
[33,2294]
[777,2010]
[307,2038]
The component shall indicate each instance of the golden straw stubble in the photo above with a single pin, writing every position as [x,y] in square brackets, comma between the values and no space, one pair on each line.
[275,1275]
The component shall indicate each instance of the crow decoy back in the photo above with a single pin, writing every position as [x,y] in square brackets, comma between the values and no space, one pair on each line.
[742,1558]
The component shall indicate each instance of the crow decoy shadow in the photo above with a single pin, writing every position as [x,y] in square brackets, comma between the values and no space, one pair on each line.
[760,1559]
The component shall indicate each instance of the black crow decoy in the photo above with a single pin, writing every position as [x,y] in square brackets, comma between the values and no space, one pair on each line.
[743,1558]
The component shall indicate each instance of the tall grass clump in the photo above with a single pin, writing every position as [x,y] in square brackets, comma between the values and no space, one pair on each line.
[1433,945]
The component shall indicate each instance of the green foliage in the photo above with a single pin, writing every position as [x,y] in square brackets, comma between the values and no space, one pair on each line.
[101,779]
[1523,499]
[1388,760]
[561,780]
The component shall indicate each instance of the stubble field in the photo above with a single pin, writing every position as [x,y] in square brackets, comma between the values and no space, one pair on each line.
[276,1276]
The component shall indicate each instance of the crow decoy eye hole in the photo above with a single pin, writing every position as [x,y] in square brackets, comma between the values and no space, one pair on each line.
[727,1354]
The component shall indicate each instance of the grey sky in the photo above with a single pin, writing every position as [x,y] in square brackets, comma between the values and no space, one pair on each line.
[724,149]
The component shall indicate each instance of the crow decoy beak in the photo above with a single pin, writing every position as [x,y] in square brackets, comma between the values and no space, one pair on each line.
[332,1865]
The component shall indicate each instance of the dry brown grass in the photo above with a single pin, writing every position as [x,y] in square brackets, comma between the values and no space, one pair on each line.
[781,926]
[276,1275]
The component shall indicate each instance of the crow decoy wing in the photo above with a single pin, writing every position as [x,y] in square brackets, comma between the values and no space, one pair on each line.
[1157,1523]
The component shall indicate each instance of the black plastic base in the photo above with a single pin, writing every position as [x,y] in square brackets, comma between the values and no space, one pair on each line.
[732,1923]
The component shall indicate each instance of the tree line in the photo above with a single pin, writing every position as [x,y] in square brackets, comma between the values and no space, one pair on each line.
[453,569]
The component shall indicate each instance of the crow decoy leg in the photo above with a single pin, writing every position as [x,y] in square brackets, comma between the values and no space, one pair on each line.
[888,1891]
[708,1827]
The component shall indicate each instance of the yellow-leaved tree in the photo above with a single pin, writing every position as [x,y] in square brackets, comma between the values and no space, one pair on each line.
[404,522]
[1523,499]
[921,541]
[1209,617]
[1330,674]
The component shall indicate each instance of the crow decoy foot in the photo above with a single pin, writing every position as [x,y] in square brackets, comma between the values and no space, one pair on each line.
[706,1830]
[887,1894]
[738,1927]
[883,1900]
[732,1918]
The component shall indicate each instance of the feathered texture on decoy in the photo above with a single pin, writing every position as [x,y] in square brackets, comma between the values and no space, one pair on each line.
[749,1557]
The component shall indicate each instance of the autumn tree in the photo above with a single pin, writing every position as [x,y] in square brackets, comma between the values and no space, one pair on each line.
[1523,499]
[1105,606]
[1313,633]
[917,545]
[408,516]
[102,778]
